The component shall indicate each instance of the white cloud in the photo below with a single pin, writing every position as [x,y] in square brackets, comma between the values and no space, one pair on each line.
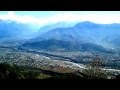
[66,17]
[11,14]
[23,19]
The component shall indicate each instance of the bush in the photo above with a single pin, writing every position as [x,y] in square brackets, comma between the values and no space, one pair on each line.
[8,71]
[94,69]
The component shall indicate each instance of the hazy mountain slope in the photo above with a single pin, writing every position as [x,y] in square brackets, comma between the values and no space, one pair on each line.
[11,29]
[86,32]
[47,28]
[61,45]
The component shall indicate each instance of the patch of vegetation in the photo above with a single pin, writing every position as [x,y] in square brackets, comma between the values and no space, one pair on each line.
[95,70]
[8,71]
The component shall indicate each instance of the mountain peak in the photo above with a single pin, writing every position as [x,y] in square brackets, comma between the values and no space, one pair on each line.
[86,23]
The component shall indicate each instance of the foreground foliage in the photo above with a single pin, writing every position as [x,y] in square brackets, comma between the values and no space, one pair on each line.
[10,71]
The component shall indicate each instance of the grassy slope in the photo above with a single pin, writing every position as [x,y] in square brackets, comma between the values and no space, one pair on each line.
[8,71]
[14,72]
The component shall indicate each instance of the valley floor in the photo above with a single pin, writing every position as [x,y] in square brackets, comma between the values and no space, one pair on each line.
[57,62]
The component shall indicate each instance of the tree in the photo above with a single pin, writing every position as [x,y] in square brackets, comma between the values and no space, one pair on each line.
[94,69]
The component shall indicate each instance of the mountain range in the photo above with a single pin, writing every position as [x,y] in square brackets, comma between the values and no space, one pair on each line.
[85,32]
[83,36]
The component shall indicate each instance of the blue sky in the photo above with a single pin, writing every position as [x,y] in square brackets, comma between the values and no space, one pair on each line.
[50,13]
[37,14]
[47,17]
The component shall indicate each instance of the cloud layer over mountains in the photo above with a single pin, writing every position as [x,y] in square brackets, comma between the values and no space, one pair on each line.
[104,17]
